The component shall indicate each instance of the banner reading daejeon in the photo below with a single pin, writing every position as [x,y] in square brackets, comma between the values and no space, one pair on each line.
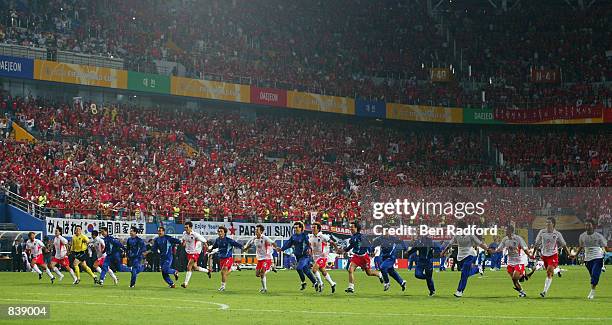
[209,228]
[16,67]
[479,116]
[114,227]
[424,113]
[148,82]
[210,89]
[80,74]
[320,103]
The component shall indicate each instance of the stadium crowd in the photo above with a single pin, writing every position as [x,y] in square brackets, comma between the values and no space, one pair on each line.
[212,164]
[332,47]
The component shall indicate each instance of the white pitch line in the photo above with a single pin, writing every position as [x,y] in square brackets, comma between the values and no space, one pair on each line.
[348,313]
[221,306]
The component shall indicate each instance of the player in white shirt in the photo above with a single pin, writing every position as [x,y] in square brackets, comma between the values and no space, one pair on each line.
[517,257]
[548,241]
[193,243]
[61,255]
[98,247]
[594,245]
[319,244]
[264,247]
[34,247]
[466,256]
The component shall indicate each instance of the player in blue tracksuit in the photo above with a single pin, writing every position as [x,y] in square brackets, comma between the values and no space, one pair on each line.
[438,249]
[424,248]
[496,257]
[164,245]
[302,252]
[389,247]
[113,249]
[135,249]
[224,246]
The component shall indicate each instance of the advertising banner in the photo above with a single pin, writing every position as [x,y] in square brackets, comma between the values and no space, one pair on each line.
[148,82]
[571,114]
[210,89]
[114,227]
[479,116]
[424,113]
[209,228]
[269,96]
[80,74]
[545,75]
[441,74]
[370,108]
[16,67]
[607,115]
[320,103]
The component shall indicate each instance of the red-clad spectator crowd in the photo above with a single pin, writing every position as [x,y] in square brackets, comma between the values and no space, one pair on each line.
[280,166]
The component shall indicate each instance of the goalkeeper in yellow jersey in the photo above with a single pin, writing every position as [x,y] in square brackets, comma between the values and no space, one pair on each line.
[79,252]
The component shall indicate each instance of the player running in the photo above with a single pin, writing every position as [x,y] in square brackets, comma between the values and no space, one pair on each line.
[61,255]
[302,252]
[34,248]
[98,247]
[319,244]
[264,247]
[360,247]
[424,248]
[164,245]
[79,252]
[466,256]
[389,247]
[547,241]
[193,247]
[514,244]
[594,245]
[135,250]
[224,246]
[112,249]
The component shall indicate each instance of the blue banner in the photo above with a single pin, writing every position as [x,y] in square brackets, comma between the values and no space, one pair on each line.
[370,108]
[16,67]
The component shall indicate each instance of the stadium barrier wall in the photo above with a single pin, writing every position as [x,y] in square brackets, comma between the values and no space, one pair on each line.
[24,220]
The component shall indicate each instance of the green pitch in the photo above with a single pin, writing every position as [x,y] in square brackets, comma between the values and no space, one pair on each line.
[486,300]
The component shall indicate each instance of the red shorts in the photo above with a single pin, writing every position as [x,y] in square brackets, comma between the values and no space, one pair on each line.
[322,262]
[361,261]
[552,260]
[38,260]
[193,257]
[520,268]
[226,263]
[100,261]
[65,262]
[264,265]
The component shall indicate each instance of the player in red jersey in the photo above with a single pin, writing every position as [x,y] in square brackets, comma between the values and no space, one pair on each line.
[264,248]
[319,244]
[517,249]
[193,243]
[548,241]
[61,255]
[34,248]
